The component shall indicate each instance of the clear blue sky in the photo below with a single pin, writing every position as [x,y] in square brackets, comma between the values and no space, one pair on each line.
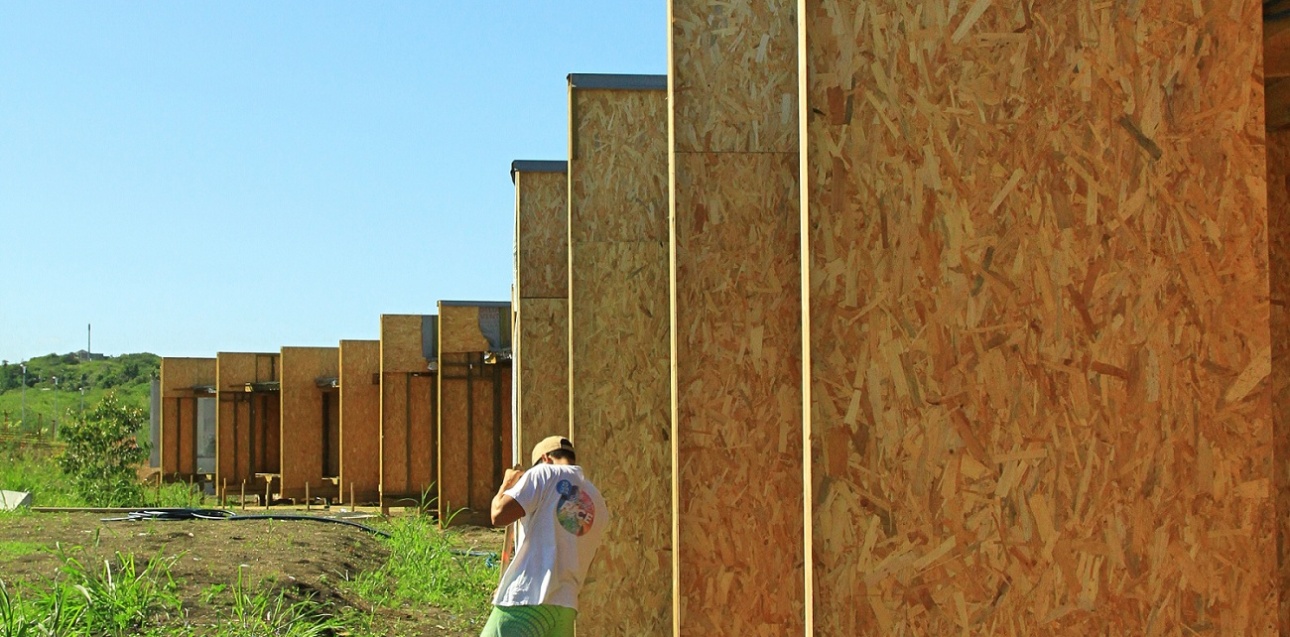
[201,177]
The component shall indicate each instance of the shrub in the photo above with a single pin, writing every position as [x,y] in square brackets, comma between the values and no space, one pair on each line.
[103,452]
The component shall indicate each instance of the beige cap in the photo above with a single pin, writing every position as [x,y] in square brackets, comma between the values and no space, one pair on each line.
[550,444]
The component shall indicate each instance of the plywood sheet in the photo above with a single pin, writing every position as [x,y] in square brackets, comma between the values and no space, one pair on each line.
[542,371]
[1279,278]
[733,68]
[178,409]
[360,420]
[542,234]
[454,389]
[1033,408]
[408,445]
[618,349]
[303,431]
[737,430]
[247,424]
[459,329]
[614,135]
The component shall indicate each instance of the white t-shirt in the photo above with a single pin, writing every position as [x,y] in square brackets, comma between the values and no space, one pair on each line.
[564,520]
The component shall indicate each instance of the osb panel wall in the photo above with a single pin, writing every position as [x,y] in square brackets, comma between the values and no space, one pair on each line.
[454,433]
[737,437]
[360,420]
[407,412]
[490,434]
[1038,319]
[242,419]
[541,315]
[178,426]
[302,418]
[459,329]
[1279,275]
[542,225]
[542,371]
[618,327]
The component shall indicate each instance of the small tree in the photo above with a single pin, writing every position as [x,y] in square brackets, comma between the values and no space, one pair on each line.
[102,454]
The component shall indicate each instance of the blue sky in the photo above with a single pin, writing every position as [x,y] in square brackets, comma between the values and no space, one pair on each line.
[201,177]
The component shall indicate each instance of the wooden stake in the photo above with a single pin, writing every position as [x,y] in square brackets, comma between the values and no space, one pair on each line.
[242,498]
[307,502]
[353,506]
[267,483]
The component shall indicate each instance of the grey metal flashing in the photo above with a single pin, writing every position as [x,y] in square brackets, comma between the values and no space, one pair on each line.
[537,166]
[618,82]
[474,303]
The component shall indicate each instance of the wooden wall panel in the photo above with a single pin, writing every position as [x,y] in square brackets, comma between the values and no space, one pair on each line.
[1033,407]
[737,437]
[247,424]
[302,451]
[541,314]
[454,434]
[473,449]
[459,329]
[618,347]
[542,371]
[408,441]
[1279,275]
[542,234]
[178,409]
[360,420]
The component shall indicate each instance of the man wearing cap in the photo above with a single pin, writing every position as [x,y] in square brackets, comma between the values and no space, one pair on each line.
[561,520]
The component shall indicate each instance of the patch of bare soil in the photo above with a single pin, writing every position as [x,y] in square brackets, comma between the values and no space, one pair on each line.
[302,558]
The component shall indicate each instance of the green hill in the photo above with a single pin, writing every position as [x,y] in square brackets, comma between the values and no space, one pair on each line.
[130,375]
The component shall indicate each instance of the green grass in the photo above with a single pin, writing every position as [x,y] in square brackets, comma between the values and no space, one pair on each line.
[10,548]
[423,570]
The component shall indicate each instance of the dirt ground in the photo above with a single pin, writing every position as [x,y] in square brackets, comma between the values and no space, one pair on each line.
[303,558]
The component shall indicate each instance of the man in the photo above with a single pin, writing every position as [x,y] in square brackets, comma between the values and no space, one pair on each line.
[561,520]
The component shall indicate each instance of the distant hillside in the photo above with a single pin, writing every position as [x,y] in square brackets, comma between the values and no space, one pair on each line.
[130,375]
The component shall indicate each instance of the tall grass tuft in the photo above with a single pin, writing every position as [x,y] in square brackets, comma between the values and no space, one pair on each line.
[263,613]
[422,569]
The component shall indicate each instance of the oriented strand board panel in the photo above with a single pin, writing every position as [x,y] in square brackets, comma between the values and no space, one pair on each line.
[541,229]
[1279,275]
[360,420]
[247,423]
[737,420]
[618,343]
[541,313]
[542,371]
[474,408]
[304,419]
[178,411]
[1039,319]
[408,445]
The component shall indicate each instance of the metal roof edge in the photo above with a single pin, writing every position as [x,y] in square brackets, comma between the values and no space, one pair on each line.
[474,303]
[538,166]
[618,82]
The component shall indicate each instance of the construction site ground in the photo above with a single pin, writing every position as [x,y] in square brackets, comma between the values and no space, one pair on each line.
[301,558]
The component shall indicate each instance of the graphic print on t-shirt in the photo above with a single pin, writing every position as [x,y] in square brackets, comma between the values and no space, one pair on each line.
[575,511]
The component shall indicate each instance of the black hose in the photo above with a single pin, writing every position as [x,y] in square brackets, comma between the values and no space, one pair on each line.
[223,514]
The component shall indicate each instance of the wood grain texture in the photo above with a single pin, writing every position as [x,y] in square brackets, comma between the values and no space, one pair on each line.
[618,348]
[408,405]
[1038,318]
[541,342]
[454,392]
[1279,278]
[542,234]
[736,313]
[733,69]
[302,419]
[360,420]
[247,425]
[178,425]
[542,371]
[459,330]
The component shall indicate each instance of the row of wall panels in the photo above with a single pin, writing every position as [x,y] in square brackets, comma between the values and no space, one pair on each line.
[998,315]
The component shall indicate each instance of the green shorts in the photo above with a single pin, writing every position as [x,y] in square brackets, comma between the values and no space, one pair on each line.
[530,621]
